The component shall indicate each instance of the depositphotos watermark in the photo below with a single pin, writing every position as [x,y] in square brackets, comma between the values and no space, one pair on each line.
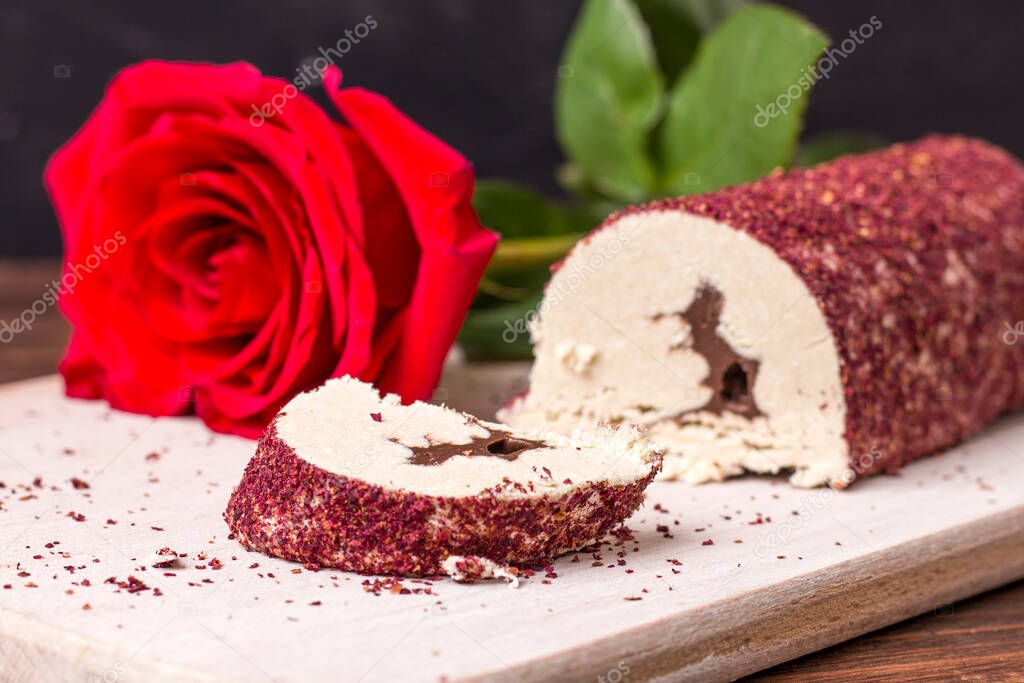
[813,504]
[311,71]
[814,73]
[1013,333]
[73,275]
[112,674]
[616,674]
[575,274]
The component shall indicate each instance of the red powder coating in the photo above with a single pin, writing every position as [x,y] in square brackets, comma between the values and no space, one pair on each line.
[915,255]
[286,507]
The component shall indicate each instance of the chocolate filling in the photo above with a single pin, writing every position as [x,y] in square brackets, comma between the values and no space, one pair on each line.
[498,443]
[730,377]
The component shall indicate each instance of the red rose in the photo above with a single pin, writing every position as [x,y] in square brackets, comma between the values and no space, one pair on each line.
[228,244]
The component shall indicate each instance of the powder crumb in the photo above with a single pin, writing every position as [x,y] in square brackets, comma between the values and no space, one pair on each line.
[467,569]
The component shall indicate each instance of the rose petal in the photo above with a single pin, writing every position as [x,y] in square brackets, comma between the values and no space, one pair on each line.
[455,247]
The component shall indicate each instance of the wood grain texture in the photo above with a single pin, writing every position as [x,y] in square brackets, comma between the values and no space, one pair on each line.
[976,639]
[33,352]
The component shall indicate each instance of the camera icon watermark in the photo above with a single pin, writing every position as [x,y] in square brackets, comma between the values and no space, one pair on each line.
[314,286]
[439,179]
[62,71]
[943,179]
[692,179]
[187,179]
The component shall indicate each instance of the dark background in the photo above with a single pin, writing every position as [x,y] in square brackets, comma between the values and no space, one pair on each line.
[479,74]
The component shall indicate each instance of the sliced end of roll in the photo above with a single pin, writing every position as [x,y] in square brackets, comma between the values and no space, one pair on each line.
[704,336]
[349,479]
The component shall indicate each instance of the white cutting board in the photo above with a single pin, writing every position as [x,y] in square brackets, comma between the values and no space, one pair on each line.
[890,547]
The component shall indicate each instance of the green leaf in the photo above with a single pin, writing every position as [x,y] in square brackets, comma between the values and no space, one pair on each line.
[517,211]
[500,333]
[521,266]
[708,13]
[716,132]
[530,252]
[675,32]
[608,97]
[536,232]
[828,146]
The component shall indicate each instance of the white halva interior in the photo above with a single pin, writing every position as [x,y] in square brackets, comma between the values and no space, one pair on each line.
[335,428]
[611,346]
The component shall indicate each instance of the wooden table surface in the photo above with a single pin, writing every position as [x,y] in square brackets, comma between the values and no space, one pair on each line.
[978,639]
